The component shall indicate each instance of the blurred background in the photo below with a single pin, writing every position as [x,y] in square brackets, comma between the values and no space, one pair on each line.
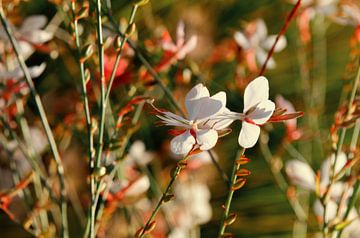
[311,75]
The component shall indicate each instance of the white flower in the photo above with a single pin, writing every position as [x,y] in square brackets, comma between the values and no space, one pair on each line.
[130,188]
[195,198]
[16,73]
[181,48]
[349,14]
[138,154]
[256,42]
[199,128]
[300,174]
[30,33]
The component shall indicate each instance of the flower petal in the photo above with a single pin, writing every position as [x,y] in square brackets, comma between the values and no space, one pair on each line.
[241,40]
[182,144]
[38,36]
[262,112]
[180,33]
[33,22]
[203,108]
[206,139]
[261,29]
[187,47]
[270,40]
[249,135]
[326,166]
[256,92]
[198,91]
[300,174]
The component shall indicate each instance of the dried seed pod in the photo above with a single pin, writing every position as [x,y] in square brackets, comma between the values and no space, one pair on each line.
[86,52]
[130,30]
[230,219]
[238,184]
[243,172]
[242,160]
[139,232]
[141,3]
[168,197]
[150,227]
[227,235]
[83,12]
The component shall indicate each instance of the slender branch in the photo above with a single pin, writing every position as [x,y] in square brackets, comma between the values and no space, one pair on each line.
[179,166]
[44,121]
[281,33]
[227,205]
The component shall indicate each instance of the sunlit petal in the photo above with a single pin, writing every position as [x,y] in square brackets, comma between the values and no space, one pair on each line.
[249,135]
[206,139]
[182,144]
[256,92]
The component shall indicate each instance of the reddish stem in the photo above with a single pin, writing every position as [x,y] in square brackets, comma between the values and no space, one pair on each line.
[281,33]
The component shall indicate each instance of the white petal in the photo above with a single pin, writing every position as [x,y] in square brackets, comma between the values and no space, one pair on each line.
[261,57]
[203,108]
[241,40]
[220,124]
[249,135]
[34,22]
[261,29]
[36,71]
[38,36]
[326,166]
[206,139]
[331,210]
[270,40]
[187,47]
[26,49]
[141,185]
[182,144]
[300,174]
[255,92]
[262,112]
[180,33]
[198,91]
[137,149]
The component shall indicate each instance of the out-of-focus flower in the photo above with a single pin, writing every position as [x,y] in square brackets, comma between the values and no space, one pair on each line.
[179,49]
[138,154]
[302,175]
[292,132]
[16,73]
[349,14]
[199,128]
[256,43]
[30,34]
[192,207]
[174,51]
[311,8]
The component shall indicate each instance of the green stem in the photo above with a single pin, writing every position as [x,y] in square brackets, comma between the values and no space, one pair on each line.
[236,167]
[44,121]
[179,166]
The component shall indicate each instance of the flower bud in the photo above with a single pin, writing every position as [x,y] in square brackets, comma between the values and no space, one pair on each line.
[230,219]
[243,172]
[150,227]
[141,3]
[83,13]
[86,52]
[239,184]
[130,30]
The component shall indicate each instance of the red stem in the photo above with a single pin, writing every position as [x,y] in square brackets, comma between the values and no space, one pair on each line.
[282,32]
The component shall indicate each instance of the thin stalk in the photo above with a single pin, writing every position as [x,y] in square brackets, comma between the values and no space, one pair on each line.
[325,229]
[179,166]
[236,167]
[87,114]
[356,187]
[44,121]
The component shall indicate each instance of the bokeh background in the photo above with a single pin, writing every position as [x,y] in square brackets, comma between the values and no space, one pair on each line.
[263,208]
